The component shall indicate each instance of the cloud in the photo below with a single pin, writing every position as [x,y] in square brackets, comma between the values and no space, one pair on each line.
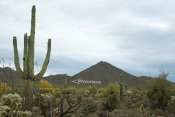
[137,36]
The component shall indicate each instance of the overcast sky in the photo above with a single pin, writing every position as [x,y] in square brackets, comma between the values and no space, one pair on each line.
[137,36]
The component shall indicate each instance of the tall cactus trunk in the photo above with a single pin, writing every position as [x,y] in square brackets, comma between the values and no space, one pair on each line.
[121,87]
[28,60]
[28,94]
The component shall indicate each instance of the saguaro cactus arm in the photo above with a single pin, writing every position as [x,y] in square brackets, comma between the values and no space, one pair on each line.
[16,57]
[46,62]
[32,43]
[25,56]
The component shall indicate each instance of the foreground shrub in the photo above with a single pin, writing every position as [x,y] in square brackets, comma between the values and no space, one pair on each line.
[11,105]
[111,102]
[47,87]
[159,93]
[173,91]
[111,87]
[4,88]
[134,98]
[14,101]
[92,90]
[89,107]
[69,90]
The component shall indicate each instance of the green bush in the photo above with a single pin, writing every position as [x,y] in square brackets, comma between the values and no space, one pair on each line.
[111,87]
[92,90]
[111,102]
[89,107]
[11,105]
[4,88]
[134,98]
[159,93]
[173,91]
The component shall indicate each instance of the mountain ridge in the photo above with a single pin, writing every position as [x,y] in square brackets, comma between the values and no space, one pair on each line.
[102,73]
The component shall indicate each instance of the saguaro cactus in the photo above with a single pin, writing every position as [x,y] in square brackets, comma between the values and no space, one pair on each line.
[28,57]
[121,87]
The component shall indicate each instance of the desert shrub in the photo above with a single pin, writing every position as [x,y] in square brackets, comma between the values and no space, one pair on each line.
[101,90]
[134,98]
[45,102]
[4,88]
[11,105]
[111,102]
[45,84]
[47,87]
[173,91]
[159,93]
[89,107]
[14,101]
[69,90]
[120,113]
[81,90]
[111,87]
[92,90]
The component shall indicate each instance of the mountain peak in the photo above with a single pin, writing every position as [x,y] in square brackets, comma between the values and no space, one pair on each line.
[105,72]
[103,63]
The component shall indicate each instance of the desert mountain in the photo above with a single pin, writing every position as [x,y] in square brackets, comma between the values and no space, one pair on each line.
[107,73]
[58,79]
[99,74]
[8,75]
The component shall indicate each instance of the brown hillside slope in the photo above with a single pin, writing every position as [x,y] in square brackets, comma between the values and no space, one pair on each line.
[106,73]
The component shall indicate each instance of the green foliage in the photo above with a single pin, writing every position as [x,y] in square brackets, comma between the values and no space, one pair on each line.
[11,105]
[47,87]
[69,90]
[173,91]
[14,101]
[46,84]
[4,88]
[92,90]
[134,98]
[111,102]
[163,75]
[89,107]
[111,87]
[159,93]
[121,87]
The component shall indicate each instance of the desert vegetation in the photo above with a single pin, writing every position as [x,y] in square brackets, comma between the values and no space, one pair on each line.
[156,99]
[36,97]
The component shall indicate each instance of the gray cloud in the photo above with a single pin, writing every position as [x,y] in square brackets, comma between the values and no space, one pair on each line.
[137,36]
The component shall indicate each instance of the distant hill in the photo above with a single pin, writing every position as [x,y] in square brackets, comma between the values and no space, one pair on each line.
[8,75]
[107,73]
[99,74]
[58,79]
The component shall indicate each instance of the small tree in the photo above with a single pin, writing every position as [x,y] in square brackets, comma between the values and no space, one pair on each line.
[159,92]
